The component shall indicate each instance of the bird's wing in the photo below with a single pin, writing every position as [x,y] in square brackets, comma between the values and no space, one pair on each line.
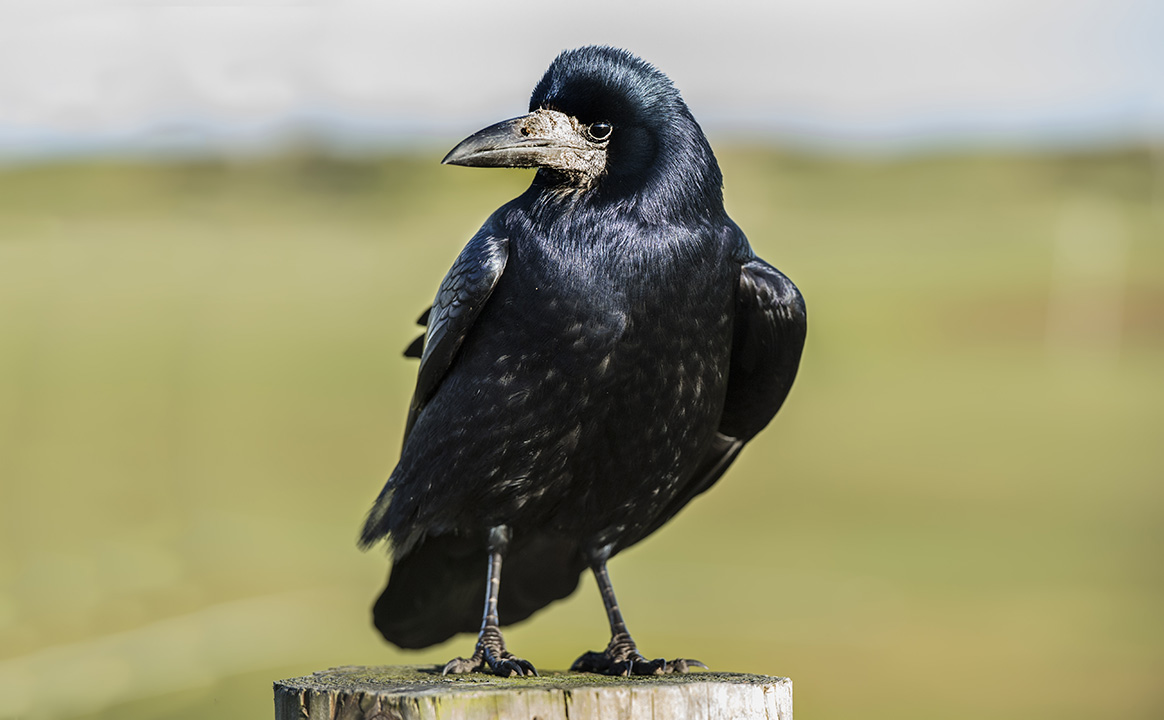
[770,326]
[416,348]
[767,339]
[459,300]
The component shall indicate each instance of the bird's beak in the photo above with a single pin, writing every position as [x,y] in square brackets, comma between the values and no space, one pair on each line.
[544,138]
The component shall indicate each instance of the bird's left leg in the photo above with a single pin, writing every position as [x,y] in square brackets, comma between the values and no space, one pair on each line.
[621,656]
[490,654]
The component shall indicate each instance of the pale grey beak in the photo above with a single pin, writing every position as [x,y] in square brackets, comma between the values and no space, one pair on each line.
[543,138]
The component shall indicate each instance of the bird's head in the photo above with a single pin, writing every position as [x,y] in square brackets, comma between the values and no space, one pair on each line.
[604,121]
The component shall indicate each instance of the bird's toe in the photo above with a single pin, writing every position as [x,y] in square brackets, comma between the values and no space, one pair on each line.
[528,670]
[462,666]
[643,666]
[511,666]
[683,665]
[588,662]
[606,663]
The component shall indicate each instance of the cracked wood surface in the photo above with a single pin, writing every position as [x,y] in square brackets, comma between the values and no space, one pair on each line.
[416,692]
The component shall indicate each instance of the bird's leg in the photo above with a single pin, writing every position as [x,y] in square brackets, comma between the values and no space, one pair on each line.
[621,656]
[490,654]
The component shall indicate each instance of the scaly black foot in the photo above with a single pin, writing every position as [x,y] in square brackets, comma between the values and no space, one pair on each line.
[490,655]
[621,657]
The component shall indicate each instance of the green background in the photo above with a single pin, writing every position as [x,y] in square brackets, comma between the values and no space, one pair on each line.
[959,513]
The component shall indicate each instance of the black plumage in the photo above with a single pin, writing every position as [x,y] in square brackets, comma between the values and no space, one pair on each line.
[596,357]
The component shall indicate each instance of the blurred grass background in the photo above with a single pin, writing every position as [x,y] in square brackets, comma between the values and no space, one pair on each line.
[959,513]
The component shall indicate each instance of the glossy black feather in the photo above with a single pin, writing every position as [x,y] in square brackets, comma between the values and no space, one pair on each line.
[459,300]
[415,348]
[597,356]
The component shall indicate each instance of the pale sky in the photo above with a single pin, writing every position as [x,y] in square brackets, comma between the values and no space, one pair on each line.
[152,75]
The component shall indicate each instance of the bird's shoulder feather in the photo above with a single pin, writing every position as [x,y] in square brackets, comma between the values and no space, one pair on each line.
[459,300]
[767,341]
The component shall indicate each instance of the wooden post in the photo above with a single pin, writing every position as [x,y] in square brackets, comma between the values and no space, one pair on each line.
[415,692]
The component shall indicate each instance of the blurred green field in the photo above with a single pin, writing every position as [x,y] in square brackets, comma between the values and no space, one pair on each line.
[958,514]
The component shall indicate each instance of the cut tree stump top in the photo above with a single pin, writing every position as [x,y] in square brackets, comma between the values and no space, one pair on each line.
[414,692]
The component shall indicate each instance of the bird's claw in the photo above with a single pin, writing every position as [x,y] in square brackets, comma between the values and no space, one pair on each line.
[684,665]
[510,666]
[621,657]
[490,656]
[507,666]
[602,664]
[461,666]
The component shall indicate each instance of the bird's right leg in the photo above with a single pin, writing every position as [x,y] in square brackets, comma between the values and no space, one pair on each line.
[490,654]
[621,656]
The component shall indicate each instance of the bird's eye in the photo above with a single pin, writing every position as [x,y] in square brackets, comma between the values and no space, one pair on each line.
[599,131]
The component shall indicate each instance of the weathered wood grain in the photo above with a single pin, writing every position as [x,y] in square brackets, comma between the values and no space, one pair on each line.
[421,693]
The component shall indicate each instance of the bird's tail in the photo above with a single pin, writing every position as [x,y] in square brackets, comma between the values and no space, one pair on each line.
[437,589]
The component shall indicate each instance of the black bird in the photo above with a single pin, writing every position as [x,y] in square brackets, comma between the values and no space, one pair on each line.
[597,356]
